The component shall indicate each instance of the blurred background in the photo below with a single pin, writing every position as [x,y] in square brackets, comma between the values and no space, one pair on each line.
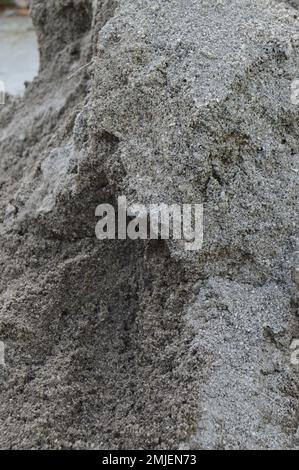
[14,3]
[19,58]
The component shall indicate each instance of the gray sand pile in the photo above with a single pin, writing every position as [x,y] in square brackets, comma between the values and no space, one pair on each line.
[134,344]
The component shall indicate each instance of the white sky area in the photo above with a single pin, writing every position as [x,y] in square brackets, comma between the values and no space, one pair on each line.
[18,53]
